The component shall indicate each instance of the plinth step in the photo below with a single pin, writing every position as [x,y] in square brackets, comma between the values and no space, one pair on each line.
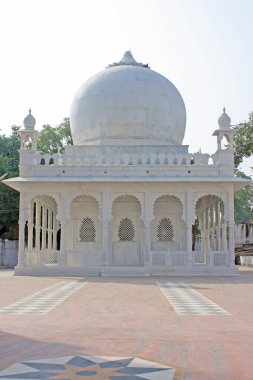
[125,271]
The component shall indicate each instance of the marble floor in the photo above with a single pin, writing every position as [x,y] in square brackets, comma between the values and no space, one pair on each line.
[194,328]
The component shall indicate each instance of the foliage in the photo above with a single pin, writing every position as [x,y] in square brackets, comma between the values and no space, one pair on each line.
[243,143]
[9,198]
[51,140]
[243,140]
[244,202]
[65,132]
[9,157]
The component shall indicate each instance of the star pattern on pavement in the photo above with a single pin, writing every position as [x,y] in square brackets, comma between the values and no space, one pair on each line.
[93,372]
[89,367]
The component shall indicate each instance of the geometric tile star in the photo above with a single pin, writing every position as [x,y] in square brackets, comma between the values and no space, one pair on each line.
[92,372]
[88,367]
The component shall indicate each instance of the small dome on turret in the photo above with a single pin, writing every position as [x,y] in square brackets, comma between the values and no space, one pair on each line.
[224,120]
[29,121]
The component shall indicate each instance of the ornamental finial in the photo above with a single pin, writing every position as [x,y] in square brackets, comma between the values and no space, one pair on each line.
[128,60]
[224,120]
[29,120]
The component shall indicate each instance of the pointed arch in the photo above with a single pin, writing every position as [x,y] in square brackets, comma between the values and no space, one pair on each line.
[128,199]
[170,197]
[168,224]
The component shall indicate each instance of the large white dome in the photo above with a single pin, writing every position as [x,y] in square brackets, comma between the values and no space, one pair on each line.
[128,103]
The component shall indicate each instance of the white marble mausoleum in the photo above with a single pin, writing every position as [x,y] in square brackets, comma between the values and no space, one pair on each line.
[123,199]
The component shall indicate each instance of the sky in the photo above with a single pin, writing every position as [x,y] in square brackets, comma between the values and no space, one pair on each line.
[204,47]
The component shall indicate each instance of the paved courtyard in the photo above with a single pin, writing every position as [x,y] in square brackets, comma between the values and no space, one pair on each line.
[194,328]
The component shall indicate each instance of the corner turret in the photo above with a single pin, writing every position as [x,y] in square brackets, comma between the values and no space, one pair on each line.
[28,136]
[225,153]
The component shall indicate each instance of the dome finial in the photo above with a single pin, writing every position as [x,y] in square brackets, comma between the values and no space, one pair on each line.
[224,120]
[128,60]
[29,120]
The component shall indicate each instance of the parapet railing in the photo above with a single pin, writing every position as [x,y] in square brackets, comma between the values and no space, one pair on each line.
[126,159]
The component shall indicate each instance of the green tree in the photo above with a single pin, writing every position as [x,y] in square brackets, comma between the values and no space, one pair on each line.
[243,143]
[244,202]
[9,198]
[51,140]
[65,132]
[243,140]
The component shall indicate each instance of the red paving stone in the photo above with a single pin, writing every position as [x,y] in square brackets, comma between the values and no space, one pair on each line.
[131,317]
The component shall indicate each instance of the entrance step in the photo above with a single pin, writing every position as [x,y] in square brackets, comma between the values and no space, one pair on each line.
[125,271]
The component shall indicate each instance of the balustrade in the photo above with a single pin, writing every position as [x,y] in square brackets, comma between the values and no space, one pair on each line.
[169,159]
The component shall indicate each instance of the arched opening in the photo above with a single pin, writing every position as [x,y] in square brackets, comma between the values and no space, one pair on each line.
[42,230]
[168,232]
[126,232]
[84,231]
[224,142]
[168,226]
[58,239]
[212,232]
[28,143]
[26,234]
